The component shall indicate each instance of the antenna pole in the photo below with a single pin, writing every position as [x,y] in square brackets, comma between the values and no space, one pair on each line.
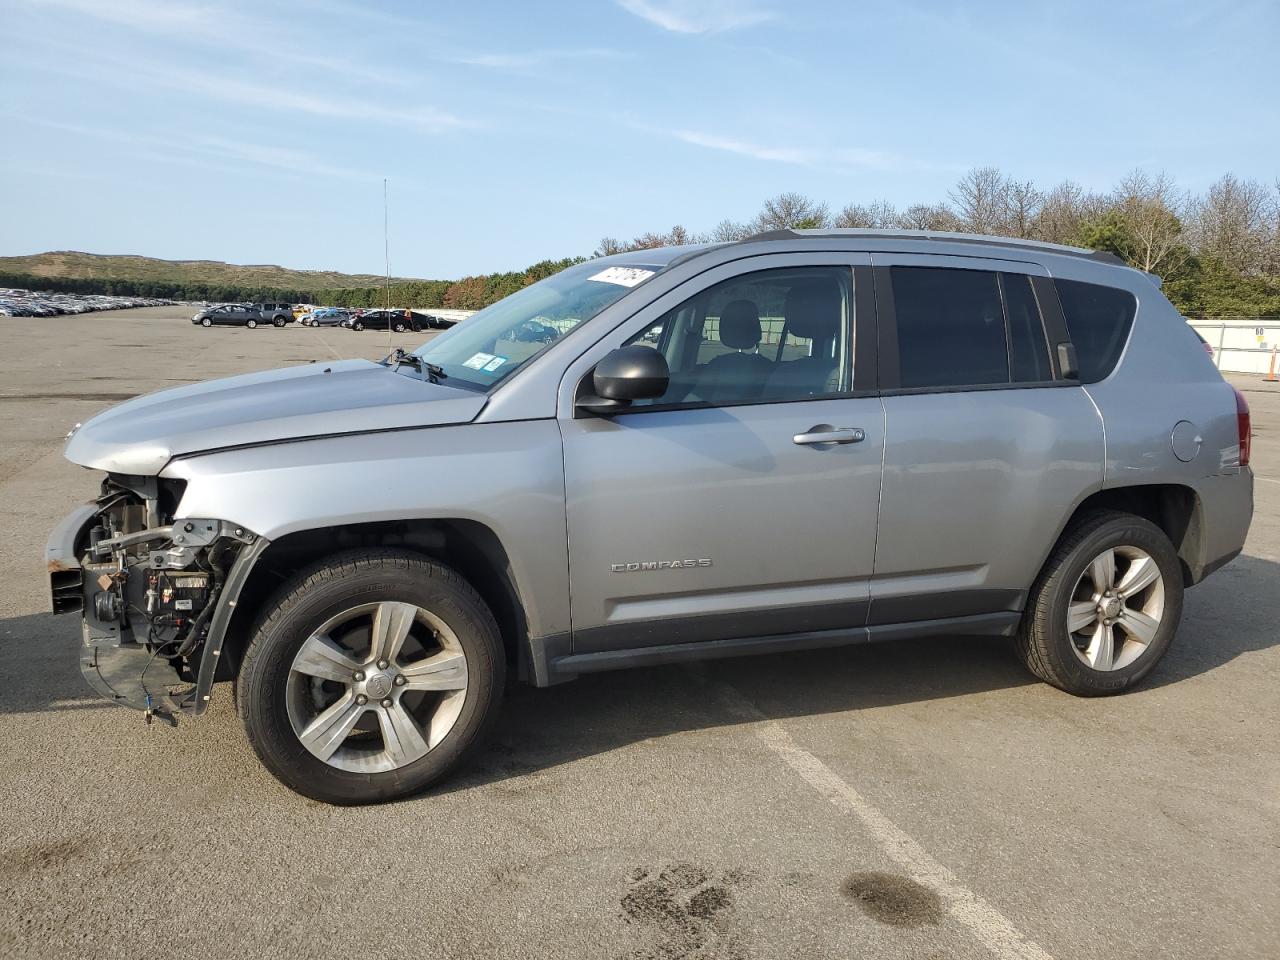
[386,251]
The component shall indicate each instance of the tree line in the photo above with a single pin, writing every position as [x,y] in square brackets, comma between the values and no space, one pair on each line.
[1217,252]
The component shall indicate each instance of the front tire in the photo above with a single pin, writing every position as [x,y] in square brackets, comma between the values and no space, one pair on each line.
[370,676]
[357,326]
[206,322]
[251,324]
[1105,607]
[279,321]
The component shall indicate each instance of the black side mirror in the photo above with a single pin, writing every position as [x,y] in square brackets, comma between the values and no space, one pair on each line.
[626,374]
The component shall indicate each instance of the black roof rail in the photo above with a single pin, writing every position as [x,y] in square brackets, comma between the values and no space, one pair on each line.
[1101,256]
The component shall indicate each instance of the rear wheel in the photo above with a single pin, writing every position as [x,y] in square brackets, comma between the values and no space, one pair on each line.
[1105,607]
[251,324]
[370,676]
[399,327]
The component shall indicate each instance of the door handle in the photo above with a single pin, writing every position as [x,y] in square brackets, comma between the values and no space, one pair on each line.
[825,433]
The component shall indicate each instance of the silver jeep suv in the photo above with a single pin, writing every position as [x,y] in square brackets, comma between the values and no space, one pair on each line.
[805,439]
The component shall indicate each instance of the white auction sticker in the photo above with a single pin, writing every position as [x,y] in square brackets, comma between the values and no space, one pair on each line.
[494,364]
[478,360]
[623,276]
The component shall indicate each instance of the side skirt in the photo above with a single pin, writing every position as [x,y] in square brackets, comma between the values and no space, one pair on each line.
[553,663]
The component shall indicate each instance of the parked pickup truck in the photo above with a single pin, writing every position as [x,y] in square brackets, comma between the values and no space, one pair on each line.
[800,440]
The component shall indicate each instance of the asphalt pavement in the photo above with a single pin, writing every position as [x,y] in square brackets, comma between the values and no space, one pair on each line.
[927,799]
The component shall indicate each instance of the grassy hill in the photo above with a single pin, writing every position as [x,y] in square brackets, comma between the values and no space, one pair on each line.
[96,266]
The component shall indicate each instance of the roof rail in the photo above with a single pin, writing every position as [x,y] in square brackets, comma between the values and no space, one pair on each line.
[944,236]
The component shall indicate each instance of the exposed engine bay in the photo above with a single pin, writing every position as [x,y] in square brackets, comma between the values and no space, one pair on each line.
[148,587]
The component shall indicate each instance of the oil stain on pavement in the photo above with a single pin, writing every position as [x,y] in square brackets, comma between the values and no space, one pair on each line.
[892,899]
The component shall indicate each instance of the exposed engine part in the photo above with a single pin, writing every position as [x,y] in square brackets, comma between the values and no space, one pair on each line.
[150,584]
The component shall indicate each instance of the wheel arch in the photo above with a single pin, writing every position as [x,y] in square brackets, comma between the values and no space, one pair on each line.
[1173,507]
[468,546]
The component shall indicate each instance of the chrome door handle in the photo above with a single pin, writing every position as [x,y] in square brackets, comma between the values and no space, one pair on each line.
[825,433]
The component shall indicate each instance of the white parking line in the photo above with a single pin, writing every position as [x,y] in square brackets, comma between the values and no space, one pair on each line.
[990,927]
[1265,479]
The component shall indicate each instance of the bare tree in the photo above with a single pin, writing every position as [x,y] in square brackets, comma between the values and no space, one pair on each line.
[608,247]
[1022,203]
[1150,206]
[727,231]
[981,200]
[1063,210]
[1234,223]
[925,216]
[791,210]
[879,215]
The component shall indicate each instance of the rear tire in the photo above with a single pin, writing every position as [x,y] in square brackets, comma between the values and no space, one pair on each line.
[399,328]
[1105,607]
[280,701]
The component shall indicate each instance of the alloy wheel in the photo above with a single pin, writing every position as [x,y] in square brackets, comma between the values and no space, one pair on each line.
[377,687]
[1116,608]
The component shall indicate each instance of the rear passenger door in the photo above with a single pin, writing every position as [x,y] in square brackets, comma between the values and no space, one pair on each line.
[987,447]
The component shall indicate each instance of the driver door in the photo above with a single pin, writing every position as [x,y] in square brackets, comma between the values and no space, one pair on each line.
[720,511]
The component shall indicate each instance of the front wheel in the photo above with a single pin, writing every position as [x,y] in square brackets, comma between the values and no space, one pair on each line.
[279,321]
[357,325]
[206,322]
[1105,607]
[370,676]
[251,324]
[399,328]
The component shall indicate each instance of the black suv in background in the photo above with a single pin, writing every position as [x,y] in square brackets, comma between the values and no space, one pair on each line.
[398,320]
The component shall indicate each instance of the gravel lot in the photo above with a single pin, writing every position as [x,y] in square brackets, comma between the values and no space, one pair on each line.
[920,800]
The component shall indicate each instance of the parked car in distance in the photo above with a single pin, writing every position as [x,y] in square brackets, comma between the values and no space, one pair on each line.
[230,314]
[400,321]
[799,440]
[324,317]
[277,314]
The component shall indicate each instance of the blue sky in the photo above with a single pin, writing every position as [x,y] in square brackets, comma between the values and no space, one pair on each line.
[260,132]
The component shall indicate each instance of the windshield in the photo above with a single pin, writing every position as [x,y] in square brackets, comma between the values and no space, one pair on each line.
[485,349]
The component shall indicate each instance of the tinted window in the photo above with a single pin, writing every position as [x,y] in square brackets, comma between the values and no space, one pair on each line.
[1098,320]
[950,327]
[1028,348]
[763,337]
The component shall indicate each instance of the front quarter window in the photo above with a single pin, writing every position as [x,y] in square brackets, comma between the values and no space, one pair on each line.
[487,348]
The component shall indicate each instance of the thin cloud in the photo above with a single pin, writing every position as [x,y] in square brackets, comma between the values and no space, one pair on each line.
[844,158]
[698,16]
[530,59]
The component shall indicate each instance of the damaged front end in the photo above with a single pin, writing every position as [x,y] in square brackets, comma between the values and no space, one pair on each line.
[156,593]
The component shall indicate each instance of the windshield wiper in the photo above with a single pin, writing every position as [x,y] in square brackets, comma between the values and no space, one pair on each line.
[434,372]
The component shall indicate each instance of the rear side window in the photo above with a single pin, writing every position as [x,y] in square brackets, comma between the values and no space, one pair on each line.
[1099,320]
[950,327]
[1028,347]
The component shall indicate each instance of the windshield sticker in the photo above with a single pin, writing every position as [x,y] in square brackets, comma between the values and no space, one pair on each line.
[623,276]
[478,360]
[494,364]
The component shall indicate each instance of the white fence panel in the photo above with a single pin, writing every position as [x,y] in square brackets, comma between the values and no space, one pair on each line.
[1241,346]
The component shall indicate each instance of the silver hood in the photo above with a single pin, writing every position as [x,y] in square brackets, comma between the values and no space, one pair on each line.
[350,396]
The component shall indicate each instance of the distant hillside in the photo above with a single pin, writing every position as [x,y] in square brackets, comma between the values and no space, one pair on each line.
[95,266]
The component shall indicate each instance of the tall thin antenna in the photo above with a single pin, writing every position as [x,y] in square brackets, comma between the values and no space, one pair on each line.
[386,251]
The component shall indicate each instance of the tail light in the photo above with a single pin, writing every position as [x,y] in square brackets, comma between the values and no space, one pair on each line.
[1244,427]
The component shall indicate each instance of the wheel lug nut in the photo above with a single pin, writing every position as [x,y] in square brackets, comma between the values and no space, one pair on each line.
[387,703]
[382,664]
[401,681]
[361,699]
[359,676]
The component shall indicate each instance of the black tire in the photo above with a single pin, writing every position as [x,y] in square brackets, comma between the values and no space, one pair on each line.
[323,591]
[279,321]
[1043,642]
[398,328]
[251,324]
[206,322]
[357,325]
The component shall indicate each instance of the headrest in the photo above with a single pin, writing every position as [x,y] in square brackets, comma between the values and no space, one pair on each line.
[740,325]
[813,310]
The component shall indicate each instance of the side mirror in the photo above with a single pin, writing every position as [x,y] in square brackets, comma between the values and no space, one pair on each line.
[626,374]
